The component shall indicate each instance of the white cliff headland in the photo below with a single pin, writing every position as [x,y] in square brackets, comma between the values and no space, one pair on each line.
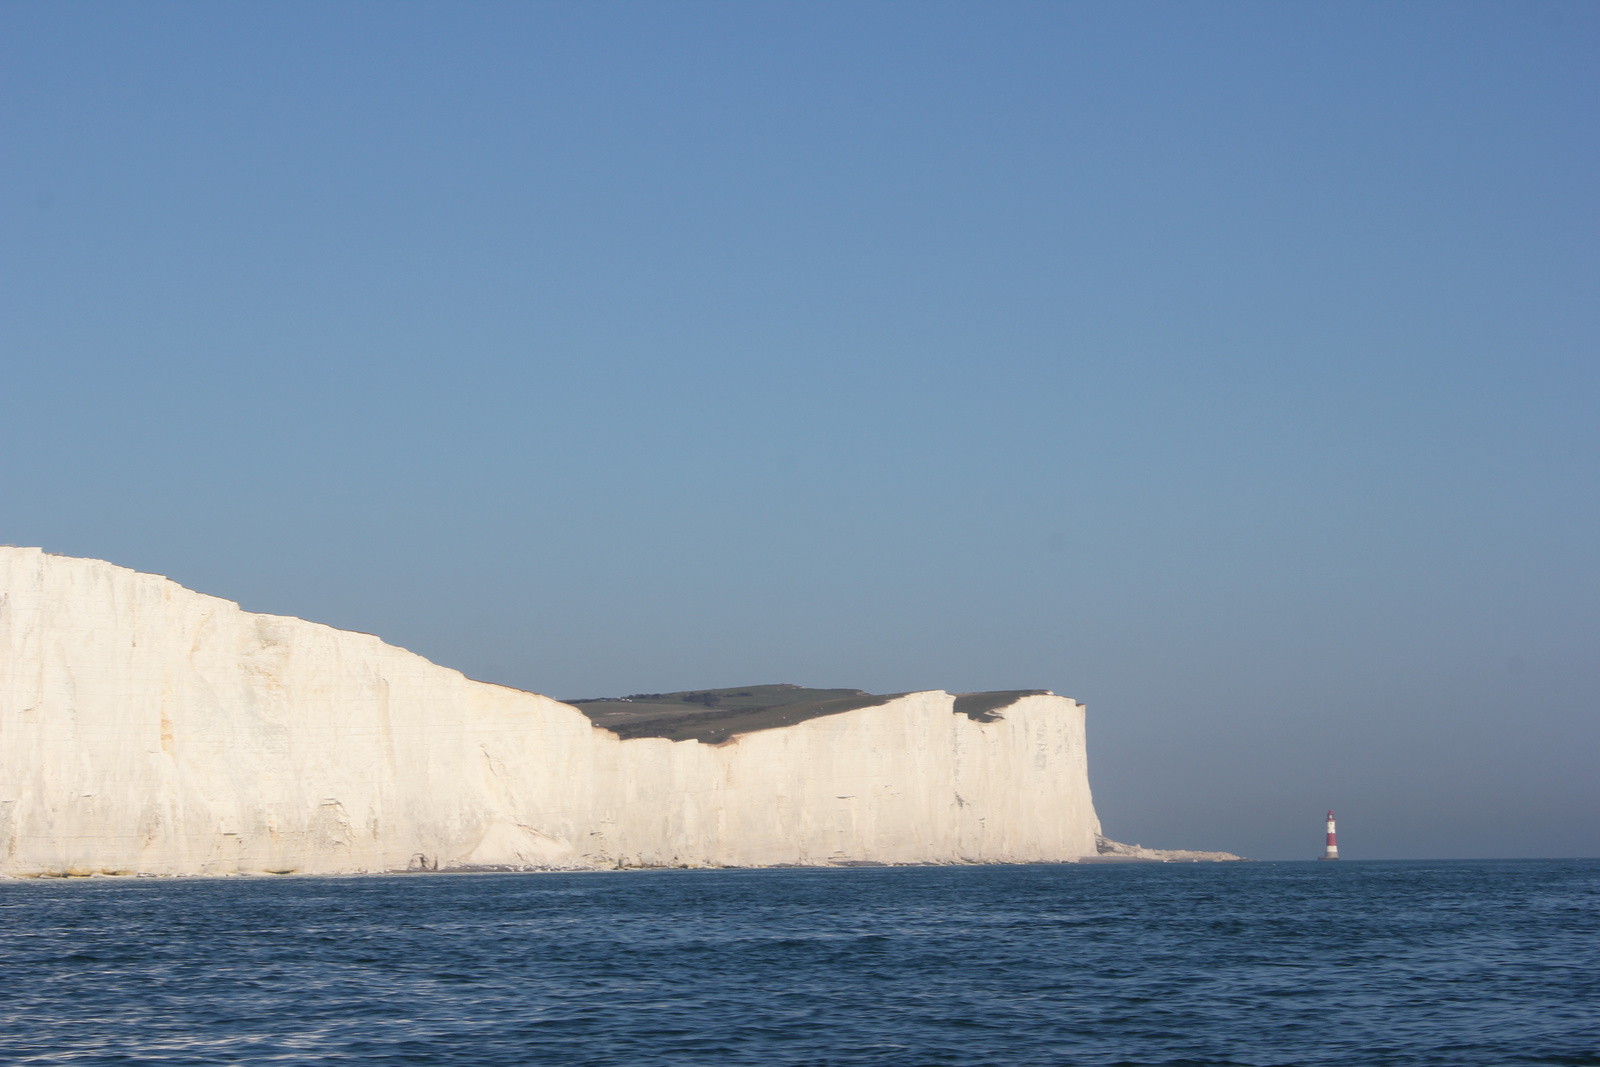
[149,729]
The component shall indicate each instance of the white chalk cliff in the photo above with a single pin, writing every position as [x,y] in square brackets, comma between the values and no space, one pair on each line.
[149,729]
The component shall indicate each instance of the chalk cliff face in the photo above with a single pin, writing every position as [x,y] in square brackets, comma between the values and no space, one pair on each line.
[146,728]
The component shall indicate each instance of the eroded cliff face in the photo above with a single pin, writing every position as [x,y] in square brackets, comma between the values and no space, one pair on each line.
[146,728]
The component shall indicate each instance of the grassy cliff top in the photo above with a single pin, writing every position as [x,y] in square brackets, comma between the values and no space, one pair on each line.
[714,715]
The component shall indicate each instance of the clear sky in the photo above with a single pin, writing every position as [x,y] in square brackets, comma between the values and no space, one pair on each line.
[1231,368]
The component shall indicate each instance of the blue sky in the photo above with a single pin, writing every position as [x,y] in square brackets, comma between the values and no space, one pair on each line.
[1229,367]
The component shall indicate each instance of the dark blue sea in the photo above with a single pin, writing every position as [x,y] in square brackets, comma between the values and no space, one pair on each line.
[1196,964]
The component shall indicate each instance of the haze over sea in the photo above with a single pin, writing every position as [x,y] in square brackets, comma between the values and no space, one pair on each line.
[1395,963]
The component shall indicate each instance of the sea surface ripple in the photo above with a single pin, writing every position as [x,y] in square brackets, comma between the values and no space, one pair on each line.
[1437,963]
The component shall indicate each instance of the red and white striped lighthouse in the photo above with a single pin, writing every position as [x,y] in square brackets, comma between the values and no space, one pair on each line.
[1332,852]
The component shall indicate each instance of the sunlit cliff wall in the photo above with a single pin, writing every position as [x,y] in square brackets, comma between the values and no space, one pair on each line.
[146,728]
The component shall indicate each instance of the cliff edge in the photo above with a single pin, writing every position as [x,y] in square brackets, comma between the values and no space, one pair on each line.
[149,729]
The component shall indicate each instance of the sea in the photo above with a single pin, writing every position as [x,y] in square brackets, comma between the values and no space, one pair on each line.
[1365,963]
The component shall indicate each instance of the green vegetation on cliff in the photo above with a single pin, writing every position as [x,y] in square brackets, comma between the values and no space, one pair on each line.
[715,715]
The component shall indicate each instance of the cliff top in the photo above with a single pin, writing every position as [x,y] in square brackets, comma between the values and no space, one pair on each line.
[710,716]
[714,715]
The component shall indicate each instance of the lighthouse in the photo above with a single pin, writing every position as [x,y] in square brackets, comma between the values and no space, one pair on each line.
[1332,851]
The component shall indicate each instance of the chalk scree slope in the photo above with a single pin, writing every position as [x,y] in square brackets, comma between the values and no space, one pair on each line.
[149,729]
